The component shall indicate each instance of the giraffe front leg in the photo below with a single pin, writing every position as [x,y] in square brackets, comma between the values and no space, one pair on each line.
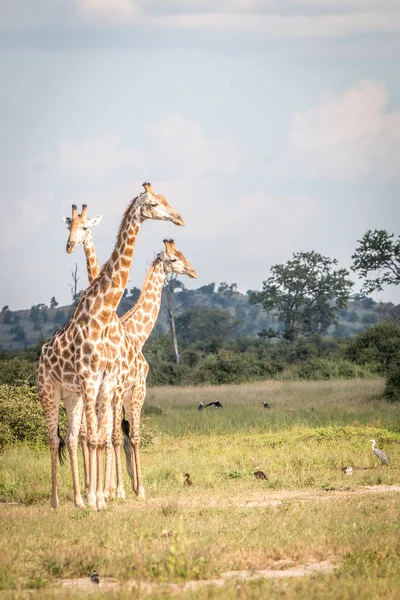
[109,456]
[136,462]
[91,422]
[74,407]
[85,450]
[133,406]
[116,440]
[103,413]
[50,401]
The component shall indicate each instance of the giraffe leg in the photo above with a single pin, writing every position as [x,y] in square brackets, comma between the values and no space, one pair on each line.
[49,396]
[85,449]
[89,396]
[133,408]
[105,400]
[116,439]
[74,407]
[109,456]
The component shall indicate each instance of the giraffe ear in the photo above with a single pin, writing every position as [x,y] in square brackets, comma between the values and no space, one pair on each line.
[67,221]
[95,221]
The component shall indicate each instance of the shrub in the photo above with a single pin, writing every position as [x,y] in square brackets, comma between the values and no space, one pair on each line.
[17,371]
[321,368]
[392,386]
[21,416]
[379,344]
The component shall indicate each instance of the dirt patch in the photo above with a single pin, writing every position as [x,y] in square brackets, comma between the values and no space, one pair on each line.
[282,571]
[284,496]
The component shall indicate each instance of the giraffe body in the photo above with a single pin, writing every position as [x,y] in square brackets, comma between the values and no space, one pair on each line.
[138,322]
[92,355]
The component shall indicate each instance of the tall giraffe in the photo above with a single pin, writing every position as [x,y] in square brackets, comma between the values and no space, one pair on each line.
[139,321]
[92,355]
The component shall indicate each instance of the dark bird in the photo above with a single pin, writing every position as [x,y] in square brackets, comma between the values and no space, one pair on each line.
[260,475]
[215,404]
[379,453]
[187,481]
[94,578]
[266,405]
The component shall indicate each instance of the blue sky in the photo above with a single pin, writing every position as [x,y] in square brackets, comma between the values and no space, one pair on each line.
[272,126]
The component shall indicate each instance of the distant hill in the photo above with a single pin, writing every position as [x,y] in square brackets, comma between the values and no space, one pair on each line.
[23,328]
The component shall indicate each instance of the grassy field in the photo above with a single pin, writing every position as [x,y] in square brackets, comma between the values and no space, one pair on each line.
[307,512]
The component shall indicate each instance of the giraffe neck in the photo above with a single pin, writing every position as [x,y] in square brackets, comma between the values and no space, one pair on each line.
[92,264]
[102,297]
[140,320]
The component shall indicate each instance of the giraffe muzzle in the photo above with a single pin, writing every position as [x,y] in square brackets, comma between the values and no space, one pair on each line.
[70,247]
[177,220]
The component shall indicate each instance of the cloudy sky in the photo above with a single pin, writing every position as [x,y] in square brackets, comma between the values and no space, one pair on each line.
[272,126]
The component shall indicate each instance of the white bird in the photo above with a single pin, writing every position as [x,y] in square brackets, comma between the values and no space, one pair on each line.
[379,453]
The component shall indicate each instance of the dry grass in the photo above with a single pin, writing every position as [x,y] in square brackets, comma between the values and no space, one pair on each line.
[196,533]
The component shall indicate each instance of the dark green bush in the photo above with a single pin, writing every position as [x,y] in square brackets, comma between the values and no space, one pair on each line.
[17,371]
[21,416]
[321,368]
[392,386]
[379,345]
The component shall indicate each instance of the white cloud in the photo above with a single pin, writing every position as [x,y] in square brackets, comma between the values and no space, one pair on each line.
[348,136]
[187,151]
[126,8]
[286,25]
[271,18]
[95,158]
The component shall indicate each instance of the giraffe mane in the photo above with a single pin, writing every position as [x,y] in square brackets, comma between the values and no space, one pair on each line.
[139,301]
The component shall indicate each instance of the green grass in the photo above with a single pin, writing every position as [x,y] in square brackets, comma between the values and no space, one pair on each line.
[307,510]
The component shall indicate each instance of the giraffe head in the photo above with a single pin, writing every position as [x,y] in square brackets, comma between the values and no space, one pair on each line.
[175,262]
[155,206]
[79,227]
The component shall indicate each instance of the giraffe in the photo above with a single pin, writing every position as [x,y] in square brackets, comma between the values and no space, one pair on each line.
[92,356]
[139,321]
[80,228]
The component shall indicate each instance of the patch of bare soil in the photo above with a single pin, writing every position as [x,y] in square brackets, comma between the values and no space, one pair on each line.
[282,571]
[279,498]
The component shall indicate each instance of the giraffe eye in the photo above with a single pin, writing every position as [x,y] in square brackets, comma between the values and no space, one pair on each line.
[172,260]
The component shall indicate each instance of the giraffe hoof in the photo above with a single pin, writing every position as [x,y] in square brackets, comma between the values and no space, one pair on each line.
[80,504]
[54,503]
[120,495]
[92,502]
[141,495]
[101,503]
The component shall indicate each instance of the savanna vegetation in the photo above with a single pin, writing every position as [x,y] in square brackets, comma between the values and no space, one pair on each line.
[307,511]
[329,368]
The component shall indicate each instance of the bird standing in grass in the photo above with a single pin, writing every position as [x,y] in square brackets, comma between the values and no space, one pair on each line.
[94,578]
[188,482]
[379,453]
[266,405]
[260,475]
[347,470]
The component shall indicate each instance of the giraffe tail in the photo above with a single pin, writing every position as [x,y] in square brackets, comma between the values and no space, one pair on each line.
[61,447]
[127,444]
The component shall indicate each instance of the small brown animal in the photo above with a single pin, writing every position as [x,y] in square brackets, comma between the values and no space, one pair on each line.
[260,475]
[187,481]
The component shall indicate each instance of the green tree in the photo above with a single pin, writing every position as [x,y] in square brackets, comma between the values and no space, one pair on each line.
[304,293]
[378,254]
[53,302]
